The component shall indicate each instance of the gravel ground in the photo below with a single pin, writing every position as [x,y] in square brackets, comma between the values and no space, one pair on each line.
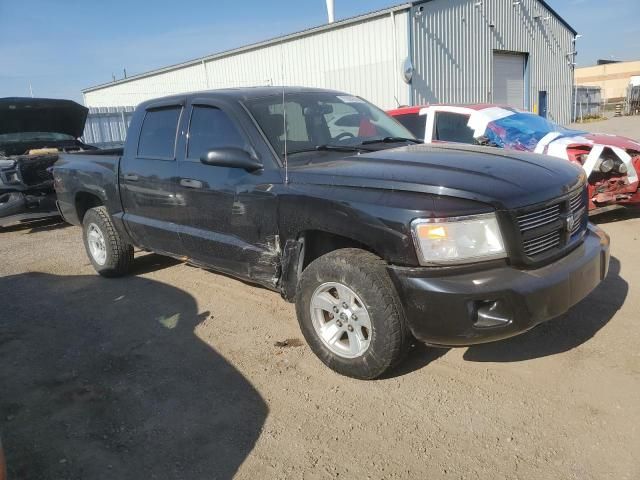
[173,373]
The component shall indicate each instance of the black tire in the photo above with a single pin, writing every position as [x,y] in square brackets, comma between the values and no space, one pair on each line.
[366,275]
[119,254]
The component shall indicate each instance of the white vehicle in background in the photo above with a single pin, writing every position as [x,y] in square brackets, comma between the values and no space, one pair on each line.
[611,162]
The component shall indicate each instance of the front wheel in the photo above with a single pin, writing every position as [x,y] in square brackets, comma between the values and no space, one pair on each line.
[110,255]
[350,314]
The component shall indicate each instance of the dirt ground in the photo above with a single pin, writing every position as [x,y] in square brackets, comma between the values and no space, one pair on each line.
[625,126]
[173,373]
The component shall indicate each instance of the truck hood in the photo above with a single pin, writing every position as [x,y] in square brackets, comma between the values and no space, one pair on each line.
[20,114]
[504,179]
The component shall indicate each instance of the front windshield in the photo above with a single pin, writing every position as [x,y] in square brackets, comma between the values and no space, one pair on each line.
[24,137]
[317,119]
[522,131]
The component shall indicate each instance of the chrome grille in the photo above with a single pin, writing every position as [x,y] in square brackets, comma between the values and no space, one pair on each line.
[542,243]
[539,218]
[577,202]
[553,226]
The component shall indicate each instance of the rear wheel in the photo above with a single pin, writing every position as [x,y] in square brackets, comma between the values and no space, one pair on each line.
[109,254]
[350,314]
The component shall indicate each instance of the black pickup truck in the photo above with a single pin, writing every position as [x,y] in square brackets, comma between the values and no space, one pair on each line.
[322,197]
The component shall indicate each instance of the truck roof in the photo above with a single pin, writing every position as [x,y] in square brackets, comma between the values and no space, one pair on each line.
[243,93]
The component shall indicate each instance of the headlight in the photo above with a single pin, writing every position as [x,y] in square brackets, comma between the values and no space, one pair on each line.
[4,163]
[606,165]
[622,168]
[450,241]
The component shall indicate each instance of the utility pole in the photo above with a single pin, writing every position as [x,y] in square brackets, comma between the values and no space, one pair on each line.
[575,84]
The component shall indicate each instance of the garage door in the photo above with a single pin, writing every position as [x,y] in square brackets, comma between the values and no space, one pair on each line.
[508,79]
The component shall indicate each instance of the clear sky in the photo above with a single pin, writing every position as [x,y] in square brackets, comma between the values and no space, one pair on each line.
[62,46]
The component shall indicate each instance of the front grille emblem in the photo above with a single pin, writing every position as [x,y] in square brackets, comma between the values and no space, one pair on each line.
[571,221]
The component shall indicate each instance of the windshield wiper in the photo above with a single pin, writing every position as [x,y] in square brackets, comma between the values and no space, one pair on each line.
[390,140]
[331,148]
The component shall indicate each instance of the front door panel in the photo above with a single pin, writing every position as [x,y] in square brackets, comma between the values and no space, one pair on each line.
[230,222]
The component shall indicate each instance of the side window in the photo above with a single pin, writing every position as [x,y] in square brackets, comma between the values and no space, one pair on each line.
[158,133]
[211,128]
[413,122]
[452,127]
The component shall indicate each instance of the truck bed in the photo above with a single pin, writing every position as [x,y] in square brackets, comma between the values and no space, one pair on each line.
[99,178]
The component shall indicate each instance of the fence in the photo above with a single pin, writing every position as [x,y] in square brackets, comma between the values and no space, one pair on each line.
[587,103]
[633,100]
[106,127]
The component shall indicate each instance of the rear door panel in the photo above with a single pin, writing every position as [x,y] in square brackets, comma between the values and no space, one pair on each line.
[148,176]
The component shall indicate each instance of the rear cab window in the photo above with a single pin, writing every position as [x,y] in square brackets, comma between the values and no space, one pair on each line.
[158,133]
[452,127]
[210,128]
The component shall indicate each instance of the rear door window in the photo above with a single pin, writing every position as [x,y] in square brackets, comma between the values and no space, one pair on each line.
[452,127]
[158,133]
[414,123]
[211,128]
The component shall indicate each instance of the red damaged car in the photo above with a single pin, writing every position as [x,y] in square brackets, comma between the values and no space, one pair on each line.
[611,162]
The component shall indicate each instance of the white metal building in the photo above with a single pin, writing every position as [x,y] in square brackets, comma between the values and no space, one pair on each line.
[517,52]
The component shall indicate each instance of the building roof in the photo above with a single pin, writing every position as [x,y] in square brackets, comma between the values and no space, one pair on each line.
[557,15]
[544,4]
[292,36]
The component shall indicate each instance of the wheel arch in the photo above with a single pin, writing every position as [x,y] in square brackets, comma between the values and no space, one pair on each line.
[306,247]
[84,201]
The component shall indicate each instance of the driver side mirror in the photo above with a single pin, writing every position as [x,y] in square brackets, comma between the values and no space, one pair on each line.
[231,157]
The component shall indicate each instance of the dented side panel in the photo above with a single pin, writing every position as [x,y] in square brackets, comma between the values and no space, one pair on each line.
[230,219]
[231,223]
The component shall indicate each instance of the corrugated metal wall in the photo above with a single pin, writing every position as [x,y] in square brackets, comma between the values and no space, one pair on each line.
[106,127]
[454,41]
[358,57]
[132,92]
[453,45]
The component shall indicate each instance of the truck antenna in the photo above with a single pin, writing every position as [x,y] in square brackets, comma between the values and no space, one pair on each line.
[284,118]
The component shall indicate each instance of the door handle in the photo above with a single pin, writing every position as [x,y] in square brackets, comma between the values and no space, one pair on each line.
[132,177]
[190,183]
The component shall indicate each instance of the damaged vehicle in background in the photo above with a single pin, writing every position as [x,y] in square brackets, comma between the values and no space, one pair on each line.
[611,162]
[33,131]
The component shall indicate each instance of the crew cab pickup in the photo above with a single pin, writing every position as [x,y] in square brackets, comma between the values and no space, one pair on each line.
[323,197]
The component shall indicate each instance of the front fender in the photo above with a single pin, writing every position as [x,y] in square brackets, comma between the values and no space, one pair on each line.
[378,219]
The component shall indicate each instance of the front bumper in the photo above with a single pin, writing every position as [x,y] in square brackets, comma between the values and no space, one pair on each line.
[18,206]
[488,305]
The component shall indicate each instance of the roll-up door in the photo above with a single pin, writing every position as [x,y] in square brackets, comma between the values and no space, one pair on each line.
[508,79]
